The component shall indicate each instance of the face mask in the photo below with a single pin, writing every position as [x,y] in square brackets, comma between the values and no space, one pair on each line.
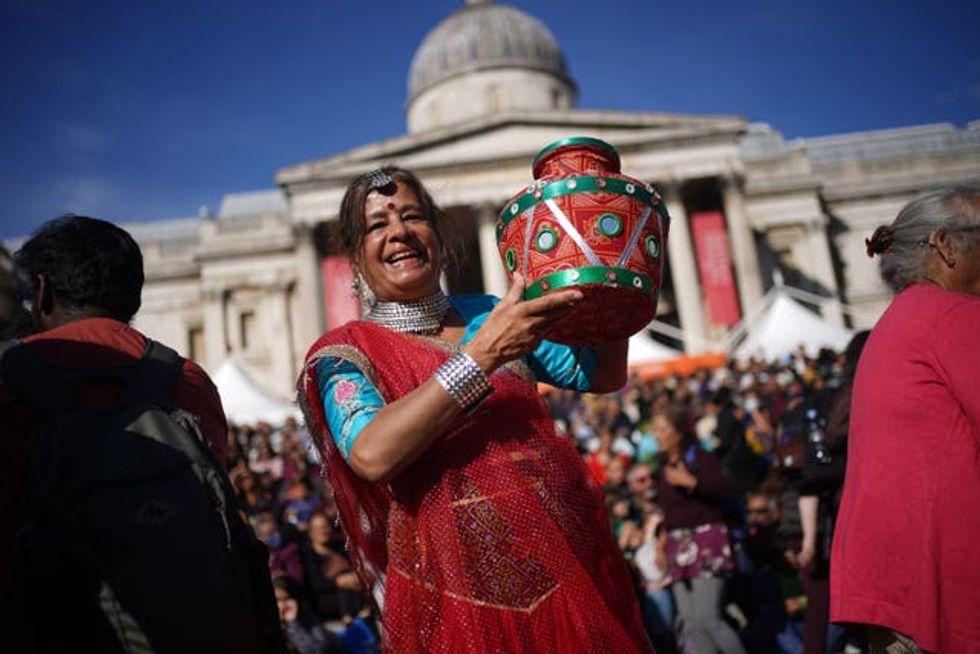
[274,541]
[647,447]
[751,404]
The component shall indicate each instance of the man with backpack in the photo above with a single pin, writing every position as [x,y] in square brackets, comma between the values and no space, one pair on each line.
[120,531]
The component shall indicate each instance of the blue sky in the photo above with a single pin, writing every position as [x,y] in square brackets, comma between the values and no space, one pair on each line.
[134,110]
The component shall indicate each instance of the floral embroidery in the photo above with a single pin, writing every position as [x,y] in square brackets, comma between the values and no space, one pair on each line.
[344,391]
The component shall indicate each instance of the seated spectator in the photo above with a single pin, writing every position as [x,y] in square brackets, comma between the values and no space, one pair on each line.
[741,466]
[598,461]
[334,587]
[304,633]
[643,492]
[252,498]
[658,603]
[299,503]
[263,458]
[776,599]
[284,557]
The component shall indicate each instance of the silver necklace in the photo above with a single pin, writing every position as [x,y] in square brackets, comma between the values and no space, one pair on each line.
[420,317]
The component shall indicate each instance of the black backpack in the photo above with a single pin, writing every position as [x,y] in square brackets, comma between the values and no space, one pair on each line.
[133,540]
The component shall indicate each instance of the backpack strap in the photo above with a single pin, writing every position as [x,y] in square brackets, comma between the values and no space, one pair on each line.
[155,375]
[7,345]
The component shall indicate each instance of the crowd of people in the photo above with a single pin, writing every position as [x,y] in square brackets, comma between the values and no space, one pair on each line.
[435,502]
[730,562]
[281,488]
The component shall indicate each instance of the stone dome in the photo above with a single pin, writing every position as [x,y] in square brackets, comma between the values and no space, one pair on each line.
[482,35]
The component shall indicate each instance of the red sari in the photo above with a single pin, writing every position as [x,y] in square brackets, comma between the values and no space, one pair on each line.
[496,539]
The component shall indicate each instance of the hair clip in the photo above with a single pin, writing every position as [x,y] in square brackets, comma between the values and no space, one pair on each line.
[378,178]
[881,241]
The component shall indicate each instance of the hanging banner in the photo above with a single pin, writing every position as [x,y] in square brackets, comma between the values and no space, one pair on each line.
[340,304]
[715,267]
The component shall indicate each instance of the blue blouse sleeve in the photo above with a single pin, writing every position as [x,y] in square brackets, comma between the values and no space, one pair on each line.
[563,366]
[350,400]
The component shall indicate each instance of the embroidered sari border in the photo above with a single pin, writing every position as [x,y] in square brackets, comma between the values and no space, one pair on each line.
[469,600]
[354,356]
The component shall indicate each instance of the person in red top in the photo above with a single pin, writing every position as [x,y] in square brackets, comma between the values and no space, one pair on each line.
[904,561]
[85,278]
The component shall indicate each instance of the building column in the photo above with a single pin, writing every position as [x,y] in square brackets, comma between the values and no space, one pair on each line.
[744,255]
[215,328]
[311,321]
[684,274]
[279,336]
[822,268]
[494,277]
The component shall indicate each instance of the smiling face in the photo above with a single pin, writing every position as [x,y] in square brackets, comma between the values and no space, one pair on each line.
[399,257]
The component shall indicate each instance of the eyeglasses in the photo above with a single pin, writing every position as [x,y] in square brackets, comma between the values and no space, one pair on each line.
[952,229]
[757,511]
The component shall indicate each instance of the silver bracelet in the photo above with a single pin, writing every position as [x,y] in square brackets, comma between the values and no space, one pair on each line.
[464,380]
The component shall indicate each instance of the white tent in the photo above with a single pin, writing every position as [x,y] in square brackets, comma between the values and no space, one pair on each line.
[784,326]
[244,402]
[644,349]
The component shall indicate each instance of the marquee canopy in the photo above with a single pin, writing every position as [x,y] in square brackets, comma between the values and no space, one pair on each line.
[784,326]
[244,402]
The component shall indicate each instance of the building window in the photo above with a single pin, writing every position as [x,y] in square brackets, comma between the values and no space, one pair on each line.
[246,322]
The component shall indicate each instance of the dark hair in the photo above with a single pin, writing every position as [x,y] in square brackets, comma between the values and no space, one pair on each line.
[839,416]
[852,353]
[352,223]
[288,584]
[679,420]
[88,263]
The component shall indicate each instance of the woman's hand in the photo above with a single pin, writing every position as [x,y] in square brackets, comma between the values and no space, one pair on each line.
[805,556]
[348,580]
[288,610]
[677,475]
[515,327]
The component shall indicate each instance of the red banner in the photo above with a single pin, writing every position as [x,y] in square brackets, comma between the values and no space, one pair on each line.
[340,304]
[715,266]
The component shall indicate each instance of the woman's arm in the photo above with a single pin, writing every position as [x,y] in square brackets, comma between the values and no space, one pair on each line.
[708,482]
[402,430]
[809,508]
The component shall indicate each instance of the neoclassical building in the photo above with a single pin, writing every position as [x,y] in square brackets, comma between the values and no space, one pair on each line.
[487,88]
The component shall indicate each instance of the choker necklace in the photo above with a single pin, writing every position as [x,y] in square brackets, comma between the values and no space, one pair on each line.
[422,317]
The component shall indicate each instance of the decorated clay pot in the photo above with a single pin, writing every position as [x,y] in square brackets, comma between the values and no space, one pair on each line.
[582,224]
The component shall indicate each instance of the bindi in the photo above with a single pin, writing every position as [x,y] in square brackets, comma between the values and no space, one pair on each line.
[391,206]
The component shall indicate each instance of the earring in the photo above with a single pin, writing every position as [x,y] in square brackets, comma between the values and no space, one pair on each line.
[361,292]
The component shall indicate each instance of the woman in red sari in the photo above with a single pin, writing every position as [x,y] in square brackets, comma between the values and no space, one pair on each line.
[475,527]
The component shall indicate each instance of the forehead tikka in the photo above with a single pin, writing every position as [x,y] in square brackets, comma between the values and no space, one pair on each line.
[378,178]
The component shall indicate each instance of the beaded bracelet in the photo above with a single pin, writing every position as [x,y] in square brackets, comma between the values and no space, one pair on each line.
[464,380]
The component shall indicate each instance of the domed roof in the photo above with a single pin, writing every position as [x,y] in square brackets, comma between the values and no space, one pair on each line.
[484,35]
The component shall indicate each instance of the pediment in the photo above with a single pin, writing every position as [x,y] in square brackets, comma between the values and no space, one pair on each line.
[514,137]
